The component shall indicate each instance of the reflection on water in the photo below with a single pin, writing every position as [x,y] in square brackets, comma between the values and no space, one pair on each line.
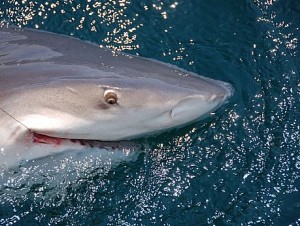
[241,166]
[108,17]
[90,15]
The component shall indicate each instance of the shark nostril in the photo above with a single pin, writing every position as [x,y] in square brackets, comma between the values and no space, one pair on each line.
[194,107]
[212,97]
[171,114]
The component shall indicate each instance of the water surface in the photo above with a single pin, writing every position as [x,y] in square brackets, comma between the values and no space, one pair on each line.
[239,167]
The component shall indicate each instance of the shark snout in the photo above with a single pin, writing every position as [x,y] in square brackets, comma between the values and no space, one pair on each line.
[195,106]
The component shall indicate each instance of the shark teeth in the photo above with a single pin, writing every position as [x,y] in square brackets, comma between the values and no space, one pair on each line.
[43,139]
[111,145]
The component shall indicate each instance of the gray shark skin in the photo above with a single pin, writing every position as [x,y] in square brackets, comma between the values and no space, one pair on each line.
[57,92]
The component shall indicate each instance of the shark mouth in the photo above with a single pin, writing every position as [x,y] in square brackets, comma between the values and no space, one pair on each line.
[38,138]
[43,139]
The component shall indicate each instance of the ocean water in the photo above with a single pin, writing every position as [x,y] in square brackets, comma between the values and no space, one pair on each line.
[239,167]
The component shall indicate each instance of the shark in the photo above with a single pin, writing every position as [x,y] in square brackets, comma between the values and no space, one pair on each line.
[61,93]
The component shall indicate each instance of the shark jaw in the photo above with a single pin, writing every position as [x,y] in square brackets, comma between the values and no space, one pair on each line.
[37,138]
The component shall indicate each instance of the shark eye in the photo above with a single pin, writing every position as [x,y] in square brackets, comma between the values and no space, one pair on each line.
[110,97]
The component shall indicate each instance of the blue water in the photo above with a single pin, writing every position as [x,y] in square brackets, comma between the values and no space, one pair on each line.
[239,167]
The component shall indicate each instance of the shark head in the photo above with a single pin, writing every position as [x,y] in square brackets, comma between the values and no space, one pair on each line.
[112,109]
[68,94]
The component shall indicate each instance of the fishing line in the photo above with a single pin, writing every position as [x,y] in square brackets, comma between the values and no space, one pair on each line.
[14,118]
